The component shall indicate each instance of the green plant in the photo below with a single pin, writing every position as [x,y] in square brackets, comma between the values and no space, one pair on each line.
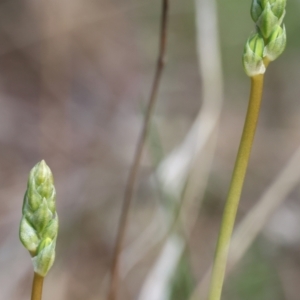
[39,224]
[261,48]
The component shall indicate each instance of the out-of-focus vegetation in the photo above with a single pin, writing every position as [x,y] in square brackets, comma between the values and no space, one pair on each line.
[74,76]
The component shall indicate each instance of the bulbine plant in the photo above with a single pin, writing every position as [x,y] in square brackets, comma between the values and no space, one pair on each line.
[262,47]
[39,224]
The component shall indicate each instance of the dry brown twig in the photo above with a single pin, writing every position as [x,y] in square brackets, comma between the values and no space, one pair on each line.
[123,223]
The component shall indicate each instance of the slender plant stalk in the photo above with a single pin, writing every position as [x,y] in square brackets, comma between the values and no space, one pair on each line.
[37,287]
[236,187]
[266,45]
[123,223]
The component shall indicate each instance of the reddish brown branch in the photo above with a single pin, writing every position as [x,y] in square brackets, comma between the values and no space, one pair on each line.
[114,283]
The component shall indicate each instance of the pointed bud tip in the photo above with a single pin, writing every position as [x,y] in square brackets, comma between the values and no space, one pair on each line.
[42,166]
[42,163]
[42,172]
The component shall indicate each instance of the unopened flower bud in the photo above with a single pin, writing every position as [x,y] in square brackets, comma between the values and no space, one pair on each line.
[276,43]
[278,8]
[39,224]
[28,236]
[267,21]
[253,56]
[267,14]
[45,257]
[256,10]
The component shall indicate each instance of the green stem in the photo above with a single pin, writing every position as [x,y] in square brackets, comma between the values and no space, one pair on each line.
[235,189]
[37,287]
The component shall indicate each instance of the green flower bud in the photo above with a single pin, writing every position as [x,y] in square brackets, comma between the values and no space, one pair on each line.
[277,7]
[51,228]
[267,14]
[276,43]
[28,236]
[256,44]
[256,10]
[45,257]
[253,56]
[39,224]
[267,21]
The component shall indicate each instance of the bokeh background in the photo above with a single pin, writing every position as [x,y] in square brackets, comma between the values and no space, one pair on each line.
[75,77]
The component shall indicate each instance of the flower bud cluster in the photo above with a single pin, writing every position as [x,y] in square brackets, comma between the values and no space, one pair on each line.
[39,223]
[269,41]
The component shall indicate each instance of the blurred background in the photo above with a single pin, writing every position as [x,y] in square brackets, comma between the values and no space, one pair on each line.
[75,77]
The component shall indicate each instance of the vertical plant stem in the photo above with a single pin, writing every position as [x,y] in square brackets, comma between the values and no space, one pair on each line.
[235,189]
[123,223]
[37,287]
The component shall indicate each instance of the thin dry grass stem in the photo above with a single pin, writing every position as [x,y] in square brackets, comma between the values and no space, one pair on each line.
[210,68]
[256,219]
[114,283]
[179,174]
[203,145]
[177,239]
[172,172]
